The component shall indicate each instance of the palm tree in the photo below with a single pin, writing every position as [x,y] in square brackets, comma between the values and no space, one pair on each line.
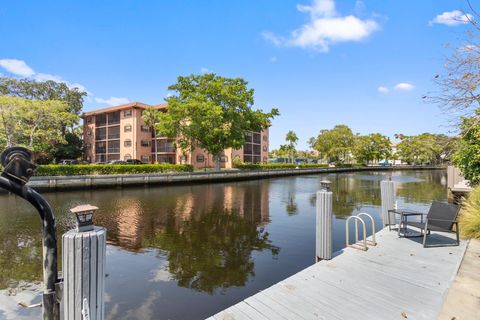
[151,117]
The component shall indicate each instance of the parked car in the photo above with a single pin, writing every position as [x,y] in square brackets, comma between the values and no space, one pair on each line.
[68,161]
[134,161]
[117,162]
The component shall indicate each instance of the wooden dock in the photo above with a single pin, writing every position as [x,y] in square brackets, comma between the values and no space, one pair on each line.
[397,279]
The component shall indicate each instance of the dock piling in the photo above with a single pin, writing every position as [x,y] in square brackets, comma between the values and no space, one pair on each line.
[323,234]
[84,251]
[387,189]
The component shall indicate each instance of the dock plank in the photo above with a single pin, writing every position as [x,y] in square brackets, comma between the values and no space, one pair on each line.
[394,279]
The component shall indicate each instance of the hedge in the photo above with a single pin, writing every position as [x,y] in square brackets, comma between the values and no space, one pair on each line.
[266,166]
[101,169]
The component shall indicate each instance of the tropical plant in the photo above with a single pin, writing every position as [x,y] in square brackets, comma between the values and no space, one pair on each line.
[292,140]
[151,117]
[469,220]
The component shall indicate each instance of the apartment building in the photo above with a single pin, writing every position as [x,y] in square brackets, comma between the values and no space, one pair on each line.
[119,133]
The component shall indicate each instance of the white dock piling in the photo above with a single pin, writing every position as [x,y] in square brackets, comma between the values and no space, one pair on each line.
[387,189]
[323,243]
[83,259]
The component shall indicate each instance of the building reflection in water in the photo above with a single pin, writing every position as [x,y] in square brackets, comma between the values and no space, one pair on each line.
[207,236]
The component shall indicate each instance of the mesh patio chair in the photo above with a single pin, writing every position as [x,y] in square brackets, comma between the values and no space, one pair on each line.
[441,217]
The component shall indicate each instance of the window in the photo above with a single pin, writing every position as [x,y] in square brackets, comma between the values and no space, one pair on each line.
[111,157]
[145,128]
[247,148]
[256,159]
[128,156]
[100,147]
[256,149]
[145,159]
[100,120]
[114,132]
[127,143]
[114,147]
[223,159]
[248,136]
[265,148]
[256,138]
[145,143]
[127,113]
[247,159]
[89,119]
[100,133]
[200,158]
[127,128]
[113,118]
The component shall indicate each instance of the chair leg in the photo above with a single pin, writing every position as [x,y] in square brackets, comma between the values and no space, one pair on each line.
[424,238]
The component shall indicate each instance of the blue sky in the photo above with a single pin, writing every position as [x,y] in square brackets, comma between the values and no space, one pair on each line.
[361,63]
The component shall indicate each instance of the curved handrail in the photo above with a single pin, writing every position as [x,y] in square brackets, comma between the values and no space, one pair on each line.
[356,232]
[361,214]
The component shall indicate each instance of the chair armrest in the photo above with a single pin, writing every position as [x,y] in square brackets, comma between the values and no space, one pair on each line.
[445,220]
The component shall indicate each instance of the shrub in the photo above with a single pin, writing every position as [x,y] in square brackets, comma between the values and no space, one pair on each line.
[267,166]
[101,169]
[469,220]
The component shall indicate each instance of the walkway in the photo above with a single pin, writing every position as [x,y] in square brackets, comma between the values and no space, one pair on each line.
[397,279]
[463,300]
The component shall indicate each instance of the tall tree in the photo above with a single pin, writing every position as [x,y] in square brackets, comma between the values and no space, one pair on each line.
[426,148]
[35,124]
[467,157]
[335,144]
[48,90]
[374,147]
[51,90]
[292,140]
[151,117]
[212,112]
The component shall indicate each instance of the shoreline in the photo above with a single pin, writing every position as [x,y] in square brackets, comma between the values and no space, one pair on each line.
[64,183]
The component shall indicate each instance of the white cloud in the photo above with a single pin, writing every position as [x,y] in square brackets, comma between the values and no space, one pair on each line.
[273,59]
[383,89]
[17,67]
[452,18]
[404,86]
[326,27]
[205,70]
[22,69]
[113,101]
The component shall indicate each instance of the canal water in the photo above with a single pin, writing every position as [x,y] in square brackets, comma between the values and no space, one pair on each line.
[187,252]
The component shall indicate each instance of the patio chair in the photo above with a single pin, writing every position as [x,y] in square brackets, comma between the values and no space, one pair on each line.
[441,218]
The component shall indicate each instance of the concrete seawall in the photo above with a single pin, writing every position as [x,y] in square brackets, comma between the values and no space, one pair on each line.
[61,183]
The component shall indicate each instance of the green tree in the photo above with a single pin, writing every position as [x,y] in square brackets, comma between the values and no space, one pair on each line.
[51,90]
[426,148]
[151,117]
[212,112]
[292,140]
[374,147]
[335,144]
[35,124]
[467,157]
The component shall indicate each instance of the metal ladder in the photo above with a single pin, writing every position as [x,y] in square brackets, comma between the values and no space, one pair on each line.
[361,245]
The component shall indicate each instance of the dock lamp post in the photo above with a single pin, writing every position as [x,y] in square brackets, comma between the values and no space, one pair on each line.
[18,168]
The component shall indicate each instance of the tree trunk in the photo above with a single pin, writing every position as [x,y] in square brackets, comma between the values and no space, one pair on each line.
[216,161]
[155,141]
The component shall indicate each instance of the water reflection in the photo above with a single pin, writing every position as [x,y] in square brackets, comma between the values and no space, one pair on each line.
[208,245]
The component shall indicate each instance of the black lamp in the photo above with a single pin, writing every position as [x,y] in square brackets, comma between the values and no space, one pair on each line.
[84,214]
